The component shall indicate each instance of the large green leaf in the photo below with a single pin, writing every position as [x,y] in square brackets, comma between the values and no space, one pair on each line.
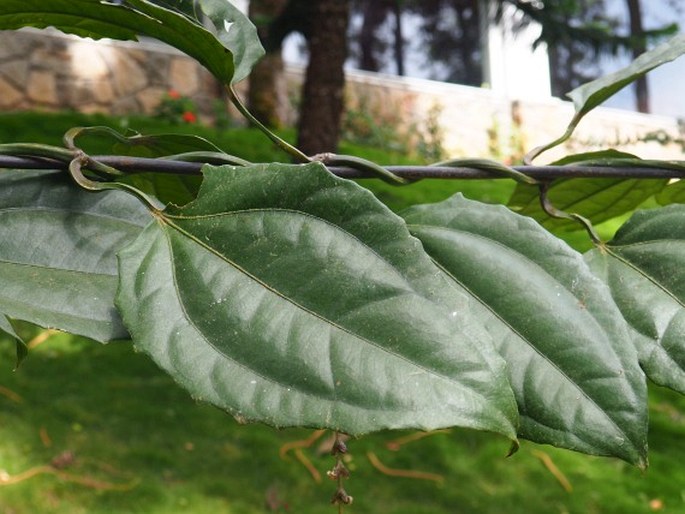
[57,257]
[577,382]
[228,59]
[285,295]
[597,199]
[644,266]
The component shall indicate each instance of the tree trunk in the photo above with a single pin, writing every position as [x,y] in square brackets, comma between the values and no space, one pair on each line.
[399,38]
[639,47]
[374,15]
[267,95]
[322,95]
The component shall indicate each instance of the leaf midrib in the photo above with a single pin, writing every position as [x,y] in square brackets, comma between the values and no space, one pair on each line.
[96,215]
[88,274]
[30,305]
[306,215]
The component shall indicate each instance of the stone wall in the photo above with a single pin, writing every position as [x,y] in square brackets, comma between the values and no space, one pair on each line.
[48,70]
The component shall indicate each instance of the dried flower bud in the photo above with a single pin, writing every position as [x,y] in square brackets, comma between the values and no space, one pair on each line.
[341,497]
[339,446]
[338,471]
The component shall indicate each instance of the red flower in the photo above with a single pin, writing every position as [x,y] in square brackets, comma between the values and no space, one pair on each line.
[173,94]
[189,117]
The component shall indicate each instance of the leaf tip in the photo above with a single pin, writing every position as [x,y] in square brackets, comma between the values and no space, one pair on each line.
[515,446]
[642,463]
[22,352]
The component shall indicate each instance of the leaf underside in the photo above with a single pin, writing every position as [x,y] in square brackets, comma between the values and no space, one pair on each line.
[288,296]
[161,145]
[237,32]
[598,199]
[577,382]
[126,20]
[643,266]
[178,189]
[673,193]
[57,258]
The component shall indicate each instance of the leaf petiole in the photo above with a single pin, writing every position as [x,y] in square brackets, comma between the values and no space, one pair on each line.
[282,144]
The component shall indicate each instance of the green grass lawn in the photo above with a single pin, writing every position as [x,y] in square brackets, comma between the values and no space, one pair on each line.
[128,440]
[141,445]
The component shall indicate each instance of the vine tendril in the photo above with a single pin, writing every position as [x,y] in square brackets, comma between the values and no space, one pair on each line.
[331,159]
[552,211]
